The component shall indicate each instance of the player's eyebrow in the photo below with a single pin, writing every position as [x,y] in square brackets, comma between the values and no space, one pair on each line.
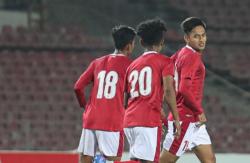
[197,34]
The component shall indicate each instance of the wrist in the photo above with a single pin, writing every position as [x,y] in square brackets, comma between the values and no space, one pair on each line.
[199,112]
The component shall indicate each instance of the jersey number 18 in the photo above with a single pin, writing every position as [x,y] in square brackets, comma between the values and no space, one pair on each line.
[107,84]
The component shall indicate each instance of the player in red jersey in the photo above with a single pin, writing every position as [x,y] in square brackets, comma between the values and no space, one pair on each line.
[147,79]
[104,112]
[189,82]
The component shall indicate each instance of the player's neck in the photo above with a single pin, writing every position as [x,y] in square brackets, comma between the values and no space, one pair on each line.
[153,48]
[193,49]
[123,52]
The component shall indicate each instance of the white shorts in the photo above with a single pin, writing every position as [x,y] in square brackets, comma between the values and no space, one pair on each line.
[109,143]
[144,142]
[191,136]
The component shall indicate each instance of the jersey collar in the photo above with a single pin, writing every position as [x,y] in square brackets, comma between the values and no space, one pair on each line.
[194,51]
[149,52]
[189,47]
[119,54]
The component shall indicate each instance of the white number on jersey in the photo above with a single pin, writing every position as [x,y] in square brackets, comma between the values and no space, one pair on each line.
[145,82]
[176,78]
[107,81]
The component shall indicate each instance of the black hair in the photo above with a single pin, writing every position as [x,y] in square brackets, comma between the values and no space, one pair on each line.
[151,31]
[190,23]
[122,35]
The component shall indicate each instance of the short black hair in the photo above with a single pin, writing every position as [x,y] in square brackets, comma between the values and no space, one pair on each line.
[151,31]
[122,35]
[190,23]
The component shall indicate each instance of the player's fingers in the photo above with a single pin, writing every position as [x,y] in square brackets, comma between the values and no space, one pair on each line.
[163,130]
[178,132]
[177,135]
[204,120]
[200,123]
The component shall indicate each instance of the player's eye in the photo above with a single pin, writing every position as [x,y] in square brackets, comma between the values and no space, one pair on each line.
[196,36]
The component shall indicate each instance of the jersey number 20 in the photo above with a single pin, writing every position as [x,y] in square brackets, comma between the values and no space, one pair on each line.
[144,79]
[107,84]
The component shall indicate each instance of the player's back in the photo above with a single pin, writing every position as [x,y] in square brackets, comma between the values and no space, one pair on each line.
[105,111]
[145,86]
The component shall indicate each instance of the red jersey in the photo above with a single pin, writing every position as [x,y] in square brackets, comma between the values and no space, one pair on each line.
[189,83]
[104,110]
[145,86]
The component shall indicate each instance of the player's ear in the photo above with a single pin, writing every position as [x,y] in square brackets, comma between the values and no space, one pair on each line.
[131,45]
[127,47]
[142,43]
[186,38]
[162,42]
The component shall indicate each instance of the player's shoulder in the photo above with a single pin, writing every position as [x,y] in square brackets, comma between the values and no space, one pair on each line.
[163,57]
[109,57]
[186,54]
[118,61]
[99,59]
[135,63]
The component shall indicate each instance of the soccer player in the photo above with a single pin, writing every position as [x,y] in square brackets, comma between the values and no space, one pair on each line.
[147,79]
[189,82]
[104,112]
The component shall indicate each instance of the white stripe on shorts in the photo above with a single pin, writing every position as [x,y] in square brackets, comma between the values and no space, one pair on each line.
[193,136]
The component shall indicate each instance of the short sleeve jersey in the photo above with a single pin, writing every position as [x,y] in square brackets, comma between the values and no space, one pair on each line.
[144,84]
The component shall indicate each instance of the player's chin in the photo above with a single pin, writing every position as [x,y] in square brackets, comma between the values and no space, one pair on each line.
[201,48]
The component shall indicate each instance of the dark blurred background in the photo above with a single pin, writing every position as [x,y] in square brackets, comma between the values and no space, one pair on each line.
[46,44]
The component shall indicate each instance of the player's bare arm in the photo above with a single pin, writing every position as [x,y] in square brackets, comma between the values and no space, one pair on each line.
[169,94]
[202,119]
[163,117]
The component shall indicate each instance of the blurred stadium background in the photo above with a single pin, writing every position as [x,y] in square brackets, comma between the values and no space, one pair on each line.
[46,44]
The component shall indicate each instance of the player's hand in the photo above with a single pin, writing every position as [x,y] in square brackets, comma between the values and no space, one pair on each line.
[202,119]
[177,132]
[163,129]
[164,126]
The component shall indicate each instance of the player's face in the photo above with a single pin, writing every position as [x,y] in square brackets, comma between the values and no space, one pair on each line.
[197,38]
